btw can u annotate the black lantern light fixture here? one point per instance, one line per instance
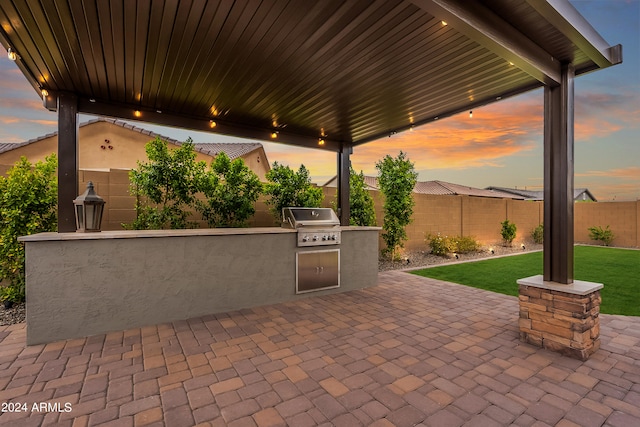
(89, 207)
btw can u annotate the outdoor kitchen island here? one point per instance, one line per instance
(81, 284)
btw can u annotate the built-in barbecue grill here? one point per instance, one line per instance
(315, 269)
(316, 226)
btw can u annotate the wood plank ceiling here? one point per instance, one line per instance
(353, 71)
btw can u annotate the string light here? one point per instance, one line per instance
(471, 114)
(44, 92)
(321, 141)
(274, 134)
(137, 113)
(11, 54)
(212, 124)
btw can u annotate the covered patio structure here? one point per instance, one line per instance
(330, 75)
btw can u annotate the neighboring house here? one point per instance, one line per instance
(113, 144)
(579, 194)
(437, 188)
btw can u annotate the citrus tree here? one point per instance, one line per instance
(287, 188)
(231, 190)
(165, 187)
(361, 207)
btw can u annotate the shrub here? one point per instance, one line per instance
(466, 244)
(397, 179)
(538, 234)
(287, 188)
(447, 245)
(231, 190)
(165, 186)
(28, 202)
(441, 246)
(508, 231)
(604, 235)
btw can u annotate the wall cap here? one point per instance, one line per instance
(578, 287)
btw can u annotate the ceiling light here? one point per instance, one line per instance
(137, 113)
(44, 92)
(321, 141)
(444, 23)
(11, 54)
(274, 134)
(212, 124)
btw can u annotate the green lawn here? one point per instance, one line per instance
(617, 269)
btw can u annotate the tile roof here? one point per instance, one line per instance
(539, 195)
(232, 149)
(438, 188)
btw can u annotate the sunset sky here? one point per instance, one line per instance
(500, 146)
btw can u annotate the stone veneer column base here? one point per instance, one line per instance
(561, 318)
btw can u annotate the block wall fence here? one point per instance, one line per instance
(478, 217)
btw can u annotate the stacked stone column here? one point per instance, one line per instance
(565, 322)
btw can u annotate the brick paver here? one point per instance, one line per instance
(411, 351)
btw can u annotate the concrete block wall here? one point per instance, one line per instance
(623, 218)
(445, 214)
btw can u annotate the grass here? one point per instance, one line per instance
(617, 269)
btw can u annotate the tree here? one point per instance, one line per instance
(231, 190)
(28, 205)
(165, 186)
(397, 177)
(361, 208)
(287, 188)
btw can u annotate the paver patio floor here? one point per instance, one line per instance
(411, 351)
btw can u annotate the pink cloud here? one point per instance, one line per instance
(632, 172)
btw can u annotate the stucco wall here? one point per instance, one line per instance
(80, 285)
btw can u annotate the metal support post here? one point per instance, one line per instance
(67, 161)
(344, 211)
(558, 179)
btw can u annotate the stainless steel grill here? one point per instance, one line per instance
(316, 226)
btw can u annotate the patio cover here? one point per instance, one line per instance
(328, 74)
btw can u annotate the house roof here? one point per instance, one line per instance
(539, 194)
(350, 71)
(437, 188)
(232, 149)
(441, 187)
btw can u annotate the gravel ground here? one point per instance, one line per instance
(417, 259)
(10, 316)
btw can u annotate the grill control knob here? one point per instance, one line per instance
(325, 238)
(315, 238)
(333, 237)
(305, 239)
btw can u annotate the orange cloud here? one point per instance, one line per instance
(495, 132)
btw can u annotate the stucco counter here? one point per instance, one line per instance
(81, 284)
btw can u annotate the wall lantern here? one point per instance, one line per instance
(89, 207)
